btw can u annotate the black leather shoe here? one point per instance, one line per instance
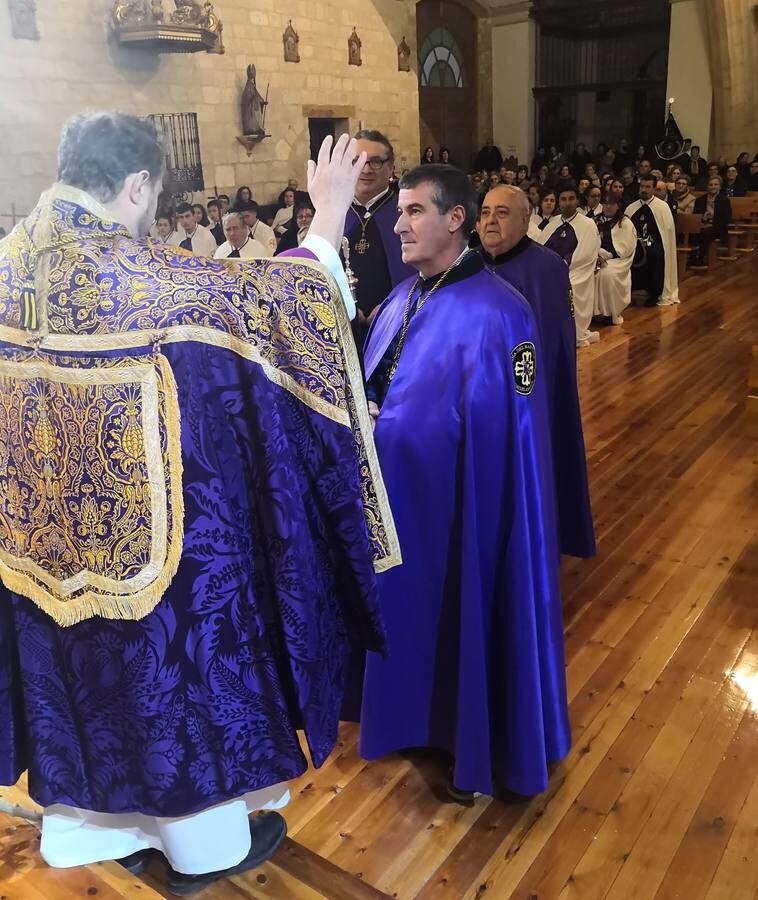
(267, 831)
(136, 862)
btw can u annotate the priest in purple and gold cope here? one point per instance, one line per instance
(457, 383)
(541, 277)
(192, 516)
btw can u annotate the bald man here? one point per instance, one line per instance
(542, 277)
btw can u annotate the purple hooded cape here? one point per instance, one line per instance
(473, 616)
(190, 517)
(541, 276)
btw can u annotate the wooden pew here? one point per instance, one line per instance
(744, 222)
(687, 224)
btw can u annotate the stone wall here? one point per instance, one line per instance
(734, 70)
(76, 65)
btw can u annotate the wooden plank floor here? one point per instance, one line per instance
(659, 796)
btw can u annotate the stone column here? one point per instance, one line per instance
(733, 30)
(513, 72)
(689, 71)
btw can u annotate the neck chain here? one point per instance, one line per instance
(421, 301)
(363, 245)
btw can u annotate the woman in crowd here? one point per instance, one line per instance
(427, 156)
(672, 173)
(618, 241)
(533, 193)
(165, 227)
(522, 174)
(201, 216)
(593, 201)
(303, 214)
(444, 157)
(243, 195)
(547, 209)
(284, 215)
(616, 189)
(583, 185)
(685, 199)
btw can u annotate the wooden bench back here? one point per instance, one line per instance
(688, 223)
(744, 208)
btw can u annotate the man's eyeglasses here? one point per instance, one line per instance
(375, 163)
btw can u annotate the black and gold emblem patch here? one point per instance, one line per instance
(571, 301)
(524, 367)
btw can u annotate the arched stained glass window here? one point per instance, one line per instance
(440, 61)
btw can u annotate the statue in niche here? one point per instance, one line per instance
(23, 19)
(291, 41)
(403, 56)
(134, 12)
(253, 106)
(157, 7)
(187, 12)
(354, 45)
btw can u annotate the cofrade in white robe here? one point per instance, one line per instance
(264, 234)
(613, 282)
(202, 240)
(251, 249)
(577, 242)
(664, 219)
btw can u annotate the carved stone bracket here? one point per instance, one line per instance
(190, 27)
(251, 141)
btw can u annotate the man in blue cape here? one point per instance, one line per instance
(541, 277)
(457, 385)
(191, 516)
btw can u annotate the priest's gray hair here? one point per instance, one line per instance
(451, 188)
(233, 215)
(97, 151)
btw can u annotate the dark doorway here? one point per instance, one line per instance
(318, 129)
(448, 75)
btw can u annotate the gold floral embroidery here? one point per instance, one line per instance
(71, 280)
(90, 471)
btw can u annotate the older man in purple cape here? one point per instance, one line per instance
(542, 278)
(457, 387)
(191, 515)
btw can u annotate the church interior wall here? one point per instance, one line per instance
(733, 45)
(76, 65)
(689, 72)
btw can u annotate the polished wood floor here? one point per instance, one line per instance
(659, 796)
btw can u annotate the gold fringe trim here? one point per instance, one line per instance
(393, 556)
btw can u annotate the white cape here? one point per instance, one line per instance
(664, 219)
(582, 268)
(613, 283)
